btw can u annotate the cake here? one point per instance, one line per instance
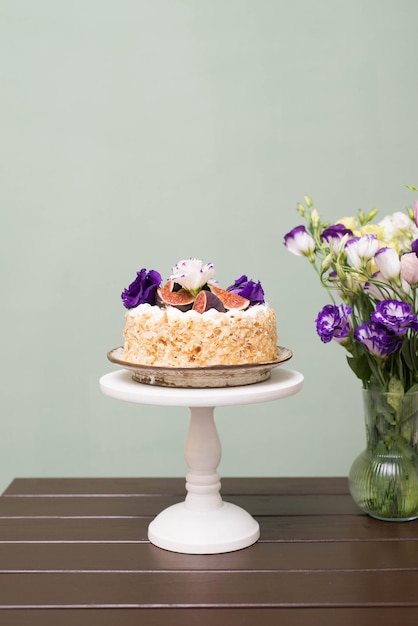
(192, 322)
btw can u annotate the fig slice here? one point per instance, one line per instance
(169, 286)
(230, 300)
(181, 299)
(206, 300)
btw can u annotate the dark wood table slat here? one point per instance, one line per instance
(376, 616)
(143, 557)
(222, 589)
(101, 505)
(273, 529)
(75, 551)
(175, 486)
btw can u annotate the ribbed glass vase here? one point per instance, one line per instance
(384, 478)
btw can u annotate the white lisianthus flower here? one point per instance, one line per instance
(398, 231)
(351, 251)
(388, 263)
(361, 249)
(191, 274)
(300, 242)
(367, 247)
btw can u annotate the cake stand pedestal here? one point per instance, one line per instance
(203, 523)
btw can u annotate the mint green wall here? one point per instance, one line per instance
(139, 132)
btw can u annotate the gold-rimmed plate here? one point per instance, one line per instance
(199, 377)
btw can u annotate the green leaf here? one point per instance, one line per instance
(404, 446)
(395, 386)
(360, 366)
(406, 355)
(412, 389)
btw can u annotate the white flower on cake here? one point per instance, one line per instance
(192, 275)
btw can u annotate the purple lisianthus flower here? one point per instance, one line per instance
(377, 339)
(142, 290)
(414, 246)
(395, 315)
(333, 235)
(300, 242)
(333, 322)
(248, 289)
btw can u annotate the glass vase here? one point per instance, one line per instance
(384, 478)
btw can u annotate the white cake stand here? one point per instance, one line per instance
(203, 523)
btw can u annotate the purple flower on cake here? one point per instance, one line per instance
(300, 242)
(333, 322)
(192, 275)
(395, 315)
(248, 289)
(377, 339)
(142, 290)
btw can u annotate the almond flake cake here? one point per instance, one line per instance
(192, 322)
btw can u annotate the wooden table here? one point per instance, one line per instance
(75, 552)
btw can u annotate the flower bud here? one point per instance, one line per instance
(372, 215)
(308, 200)
(315, 219)
(301, 209)
(340, 273)
(327, 262)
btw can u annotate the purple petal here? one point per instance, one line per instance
(333, 322)
(377, 339)
(395, 315)
(248, 289)
(142, 290)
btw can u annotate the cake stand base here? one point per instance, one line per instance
(203, 523)
(226, 529)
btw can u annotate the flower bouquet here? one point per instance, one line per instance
(370, 270)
